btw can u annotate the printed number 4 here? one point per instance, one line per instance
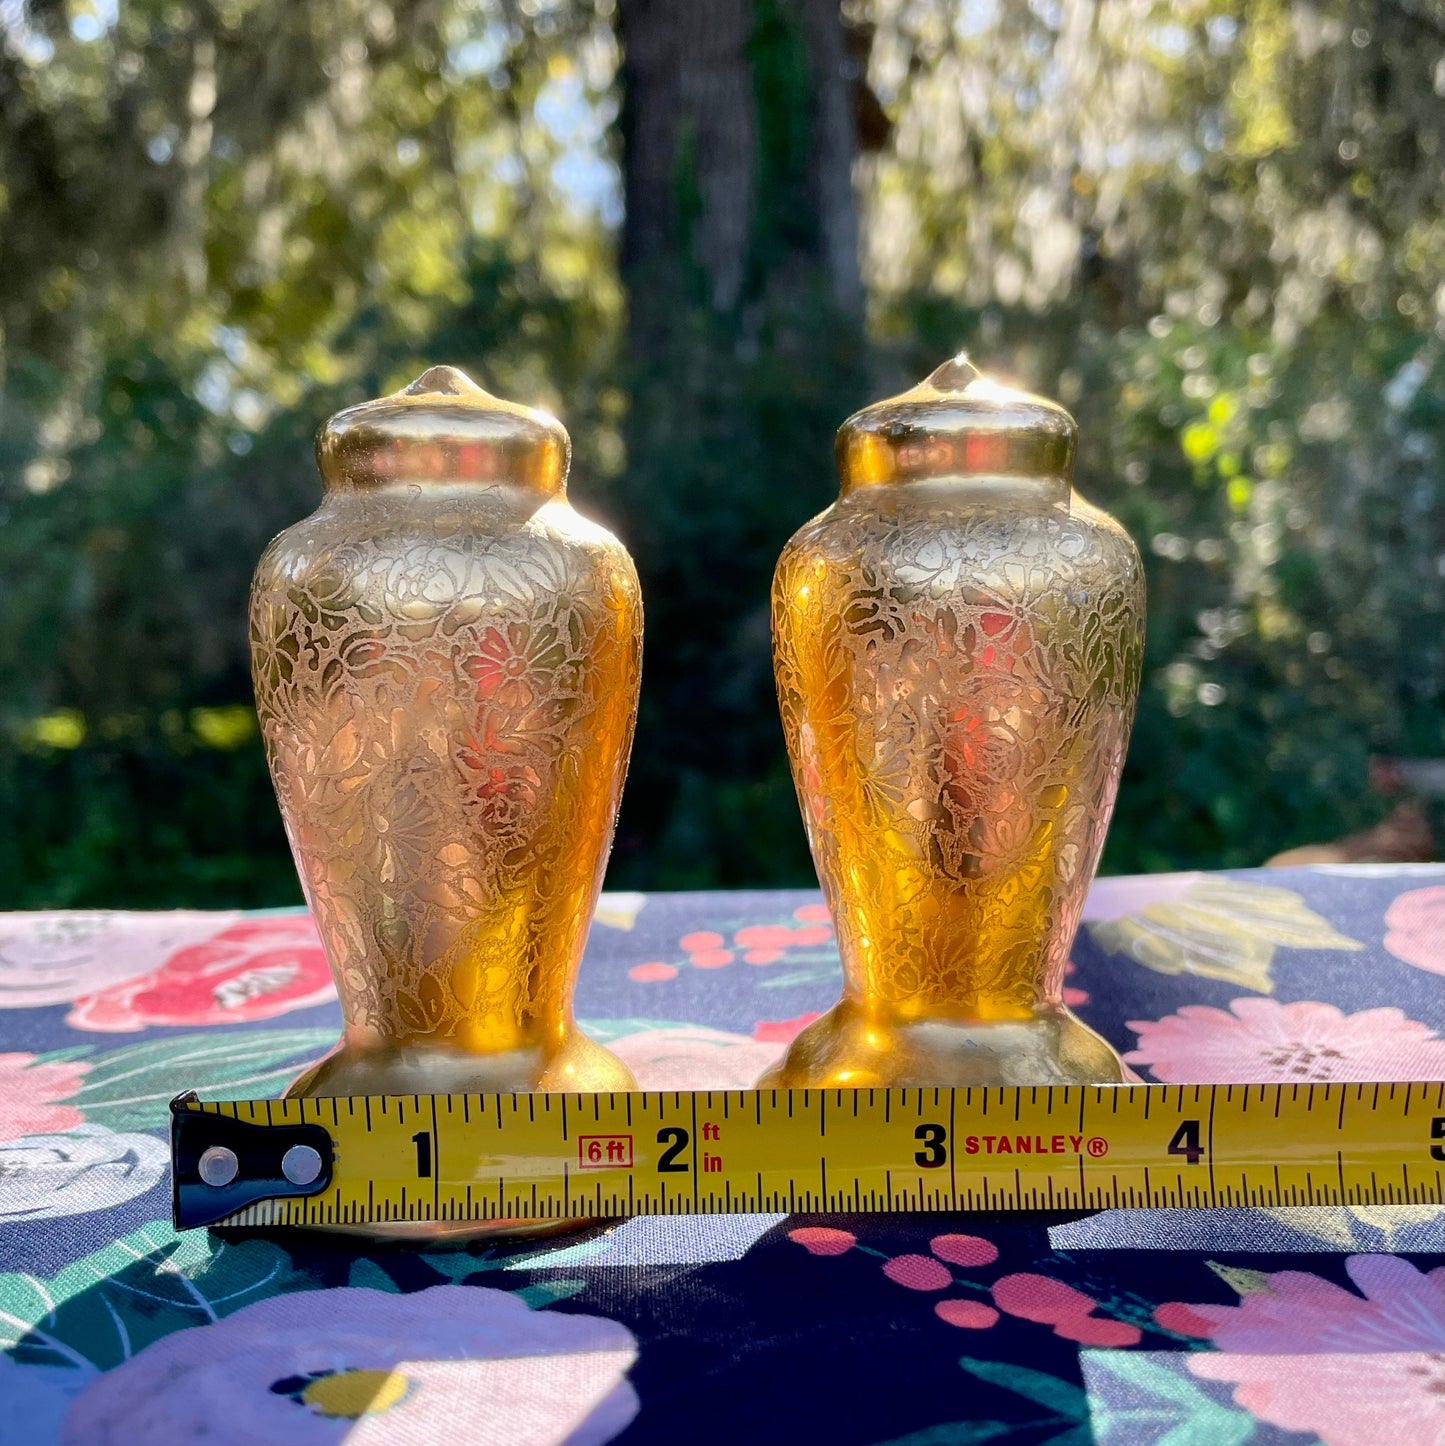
(1186, 1142)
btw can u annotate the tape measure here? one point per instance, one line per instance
(375, 1160)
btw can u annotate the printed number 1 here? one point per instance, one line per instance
(422, 1141)
(1186, 1142)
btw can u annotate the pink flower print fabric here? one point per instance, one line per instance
(254, 969)
(1415, 928)
(1253, 1327)
(1260, 1041)
(1308, 1355)
(31, 1093)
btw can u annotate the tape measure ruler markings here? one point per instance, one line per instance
(370, 1160)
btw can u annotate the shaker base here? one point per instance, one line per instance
(849, 1049)
(395, 1069)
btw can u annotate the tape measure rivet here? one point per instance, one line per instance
(301, 1164)
(218, 1166)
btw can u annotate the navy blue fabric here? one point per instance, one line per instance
(799, 1329)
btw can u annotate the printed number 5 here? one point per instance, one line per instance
(935, 1149)
(1437, 1132)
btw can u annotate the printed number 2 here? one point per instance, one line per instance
(676, 1141)
(422, 1141)
(1186, 1142)
(935, 1150)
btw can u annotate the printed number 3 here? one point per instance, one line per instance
(935, 1149)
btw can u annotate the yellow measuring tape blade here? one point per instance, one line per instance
(560, 1156)
(482, 1157)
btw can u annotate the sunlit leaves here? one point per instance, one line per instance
(1258, 94)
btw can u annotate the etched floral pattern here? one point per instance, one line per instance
(446, 684)
(957, 681)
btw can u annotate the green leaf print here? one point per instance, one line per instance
(102, 1309)
(131, 1088)
(1067, 1399)
(1159, 1395)
(953, 1433)
(544, 1292)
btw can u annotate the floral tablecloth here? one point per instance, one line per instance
(1190, 1328)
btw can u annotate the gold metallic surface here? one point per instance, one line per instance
(446, 660)
(957, 642)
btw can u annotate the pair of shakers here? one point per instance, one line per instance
(447, 659)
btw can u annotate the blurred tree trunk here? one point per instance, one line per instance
(740, 258)
(690, 109)
(695, 158)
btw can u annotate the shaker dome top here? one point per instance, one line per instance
(956, 423)
(443, 429)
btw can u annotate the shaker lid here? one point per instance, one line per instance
(956, 423)
(443, 429)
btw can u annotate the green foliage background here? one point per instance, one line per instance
(1215, 230)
